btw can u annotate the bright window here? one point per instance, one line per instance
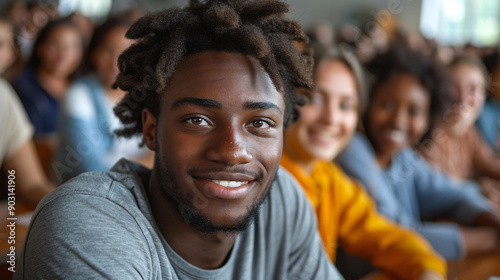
(89, 8)
(457, 22)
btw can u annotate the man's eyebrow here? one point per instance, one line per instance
(203, 102)
(262, 105)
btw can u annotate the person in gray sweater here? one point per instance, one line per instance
(210, 87)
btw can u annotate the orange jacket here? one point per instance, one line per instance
(346, 216)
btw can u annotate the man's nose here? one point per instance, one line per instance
(229, 147)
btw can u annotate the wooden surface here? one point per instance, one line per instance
(479, 267)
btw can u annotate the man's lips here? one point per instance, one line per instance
(225, 174)
(230, 184)
(224, 185)
(213, 189)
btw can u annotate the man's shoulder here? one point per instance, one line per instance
(286, 201)
(286, 186)
(97, 218)
(114, 199)
(123, 184)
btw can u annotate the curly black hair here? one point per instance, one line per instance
(164, 39)
(400, 59)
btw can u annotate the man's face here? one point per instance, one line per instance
(218, 140)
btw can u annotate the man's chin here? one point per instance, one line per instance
(204, 224)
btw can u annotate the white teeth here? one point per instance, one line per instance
(230, 184)
(397, 136)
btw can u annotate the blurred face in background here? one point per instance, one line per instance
(8, 52)
(328, 122)
(398, 114)
(105, 57)
(61, 52)
(470, 86)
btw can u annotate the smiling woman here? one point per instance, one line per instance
(398, 115)
(87, 118)
(408, 100)
(57, 55)
(344, 211)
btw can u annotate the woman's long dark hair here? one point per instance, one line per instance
(34, 62)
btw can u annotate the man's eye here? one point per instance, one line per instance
(197, 121)
(260, 124)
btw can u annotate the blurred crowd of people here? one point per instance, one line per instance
(425, 147)
(58, 74)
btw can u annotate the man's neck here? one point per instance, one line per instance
(206, 251)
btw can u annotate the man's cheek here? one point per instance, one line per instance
(272, 156)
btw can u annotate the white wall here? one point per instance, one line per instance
(310, 12)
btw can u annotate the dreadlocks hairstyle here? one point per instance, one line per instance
(400, 59)
(164, 39)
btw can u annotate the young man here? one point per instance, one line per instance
(215, 205)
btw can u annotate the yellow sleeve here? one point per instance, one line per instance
(363, 232)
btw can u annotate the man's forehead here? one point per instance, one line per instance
(223, 73)
(208, 61)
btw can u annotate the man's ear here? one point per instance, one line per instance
(149, 129)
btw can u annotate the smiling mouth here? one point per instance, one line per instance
(224, 189)
(396, 136)
(225, 183)
(229, 184)
(323, 138)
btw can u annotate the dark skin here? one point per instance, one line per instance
(218, 139)
(398, 117)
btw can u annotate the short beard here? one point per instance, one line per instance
(192, 216)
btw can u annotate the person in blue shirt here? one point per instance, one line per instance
(407, 100)
(87, 118)
(57, 55)
(18, 156)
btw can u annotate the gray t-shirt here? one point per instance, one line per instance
(100, 226)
